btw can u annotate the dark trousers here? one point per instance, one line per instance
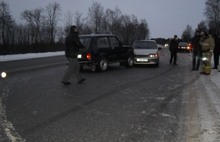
(216, 59)
(197, 56)
(173, 57)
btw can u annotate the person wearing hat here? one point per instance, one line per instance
(173, 50)
(197, 51)
(208, 44)
(72, 44)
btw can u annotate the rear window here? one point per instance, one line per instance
(144, 45)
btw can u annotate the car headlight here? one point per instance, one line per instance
(204, 58)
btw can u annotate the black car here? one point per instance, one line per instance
(184, 46)
(103, 49)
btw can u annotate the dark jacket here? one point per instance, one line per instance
(73, 45)
(173, 45)
(217, 45)
(196, 43)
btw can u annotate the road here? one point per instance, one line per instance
(141, 104)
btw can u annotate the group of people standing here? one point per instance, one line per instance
(204, 46)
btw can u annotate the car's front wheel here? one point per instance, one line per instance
(102, 64)
(130, 62)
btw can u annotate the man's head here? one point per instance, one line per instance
(204, 33)
(73, 29)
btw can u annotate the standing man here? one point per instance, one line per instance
(216, 52)
(208, 44)
(173, 50)
(197, 51)
(73, 45)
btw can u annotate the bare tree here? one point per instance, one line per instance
(212, 12)
(113, 20)
(53, 12)
(96, 13)
(34, 19)
(6, 24)
(68, 19)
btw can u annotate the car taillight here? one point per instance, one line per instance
(88, 56)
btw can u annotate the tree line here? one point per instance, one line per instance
(41, 31)
(210, 25)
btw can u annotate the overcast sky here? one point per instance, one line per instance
(164, 17)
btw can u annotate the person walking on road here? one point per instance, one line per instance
(208, 44)
(197, 52)
(173, 50)
(216, 52)
(72, 44)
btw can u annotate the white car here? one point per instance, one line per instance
(146, 52)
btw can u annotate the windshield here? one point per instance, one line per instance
(144, 45)
(183, 44)
(85, 41)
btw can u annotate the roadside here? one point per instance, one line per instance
(201, 114)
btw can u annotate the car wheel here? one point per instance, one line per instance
(130, 62)
(102, 64)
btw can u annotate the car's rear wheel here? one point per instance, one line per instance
(102, 64)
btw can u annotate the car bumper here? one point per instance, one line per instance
(146, 61)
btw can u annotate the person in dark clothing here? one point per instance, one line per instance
(216, 52)
(72, 44)
(173, 50)
(197, 51)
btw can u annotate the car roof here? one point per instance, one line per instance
(96, 35)
(146, 40)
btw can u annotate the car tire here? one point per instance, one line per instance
(102, 64)
(130, 62)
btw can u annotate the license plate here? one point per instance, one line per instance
(79, 56)
(142, 60)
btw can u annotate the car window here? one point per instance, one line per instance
(102, 42)
(85, 41)
(114, 42)
(183, 44)
(144, 45)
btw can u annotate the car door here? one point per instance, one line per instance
(117, 46)
(103, 45)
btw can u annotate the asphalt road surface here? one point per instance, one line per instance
(139, 104)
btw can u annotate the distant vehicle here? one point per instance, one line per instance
(102, 50)
(184, 46)
(146, 52)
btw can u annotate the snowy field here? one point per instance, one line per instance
(29, 55)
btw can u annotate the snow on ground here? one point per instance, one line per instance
(4, 58)
(214, 77)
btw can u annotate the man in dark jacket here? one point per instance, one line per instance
(73, 45)
(197, 51)
(216, 51)
(173, 50)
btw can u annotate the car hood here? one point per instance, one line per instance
(144, 51)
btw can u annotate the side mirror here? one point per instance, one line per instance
(159, 48)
